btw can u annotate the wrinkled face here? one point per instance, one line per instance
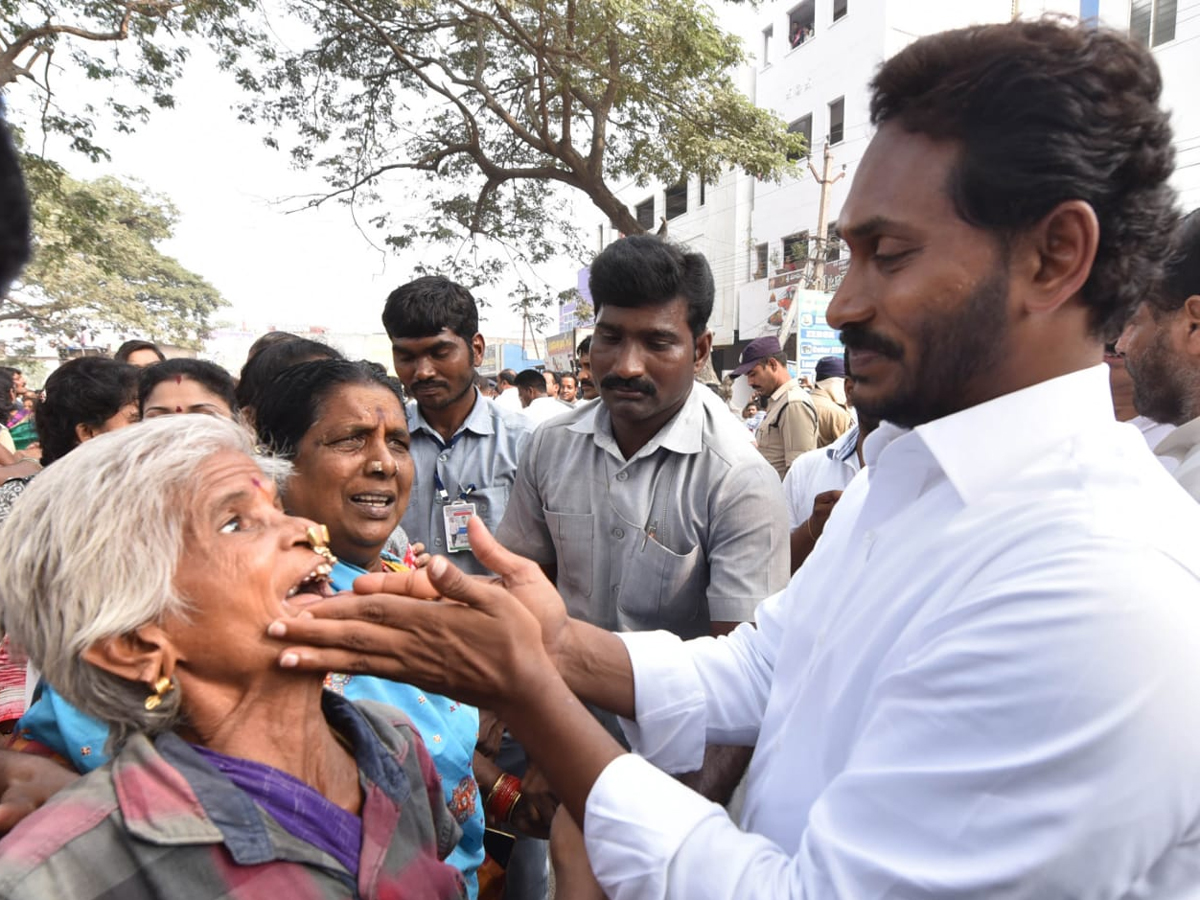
(587, 385)
(645, 360)
(437, 371)
(568, 390)
(353, 471)
(1154, 358)
(924, 304)
(242, 557)
(142, 358)
(183, 395)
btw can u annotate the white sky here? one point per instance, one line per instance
(311, 267)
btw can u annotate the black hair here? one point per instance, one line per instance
(266, 340)
(260, 369)
(422, 308)
(555, 375)
(15, 216)
(88, 390)
(293, 403)
(1182, 276)
(210, 376)
(129, 348)
(532, 379)
(1044, 113)
(585, 346)
(846, 362)
(644, 270)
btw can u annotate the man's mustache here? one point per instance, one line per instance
(859, 337)
(641, 385)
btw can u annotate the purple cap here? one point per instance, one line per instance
(756, 351)
(830, 367)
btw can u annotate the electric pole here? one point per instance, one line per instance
(818, 276)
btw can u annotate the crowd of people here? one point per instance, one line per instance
(930, 629)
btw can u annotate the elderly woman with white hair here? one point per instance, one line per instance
(141, 574)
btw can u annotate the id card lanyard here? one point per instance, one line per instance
(456, 514)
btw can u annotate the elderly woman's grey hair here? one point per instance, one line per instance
(90, 554)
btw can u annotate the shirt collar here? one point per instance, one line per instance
(983, 445)
(683, 432)
(478, 420)
(843, 448)
(1180, 442)
(781, 390)
(170, 794)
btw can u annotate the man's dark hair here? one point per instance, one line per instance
(422, 308)
(1181, 279)
(293, 403)
(555, 375)
(14, 212)
(260, 370)
(507, 376)
(88, 390)
(644, 270)
(129, 348)
(209, 375)
(532, 379)
(585, 346)
(269, 338)
(1045, 113)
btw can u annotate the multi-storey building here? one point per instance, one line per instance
(812, 62)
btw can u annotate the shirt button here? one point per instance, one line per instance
(622, 476)
(443, 457)
(618, 533)
(481, 507)
(437, 542)
(869, 537)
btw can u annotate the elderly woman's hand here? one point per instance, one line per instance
(485, 647)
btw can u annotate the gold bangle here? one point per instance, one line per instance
(808, 525)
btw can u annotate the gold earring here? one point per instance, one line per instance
(162, 687)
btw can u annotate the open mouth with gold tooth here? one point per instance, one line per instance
(315, 582)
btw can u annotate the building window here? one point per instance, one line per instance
(677, 199)
(759, 261)
(1089, 12)
(768, 35)
(837, 120)
(802, 126)
(644, 213)
(839, 9)
(801, 20)
(1152, 22)
(795, 251)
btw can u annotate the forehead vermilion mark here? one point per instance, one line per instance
(179, 409)
(179, 379)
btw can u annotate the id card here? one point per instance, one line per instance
(457, 515)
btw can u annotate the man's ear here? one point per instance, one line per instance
(146, 654)
(703, 348)
(1190, 314)
(1055, 257)
(477, 348)
(83, 432)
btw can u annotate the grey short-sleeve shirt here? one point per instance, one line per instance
(480, 460)
(692, 529)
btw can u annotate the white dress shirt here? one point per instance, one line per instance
(984, 682)
(542, 409)
(824, 469)
(509, 398)
(1180, 449)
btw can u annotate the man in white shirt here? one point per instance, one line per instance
(1161, 345)
(506, 391)
(536, 405)
(983, 682)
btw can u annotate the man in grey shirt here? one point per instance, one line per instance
(651, 506)
(464, 447)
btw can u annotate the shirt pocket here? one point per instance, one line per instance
(662, 589)
(490, 503)
(574, 540)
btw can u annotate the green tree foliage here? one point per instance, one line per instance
(96, 264)
(139, 43)
(502, 105)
